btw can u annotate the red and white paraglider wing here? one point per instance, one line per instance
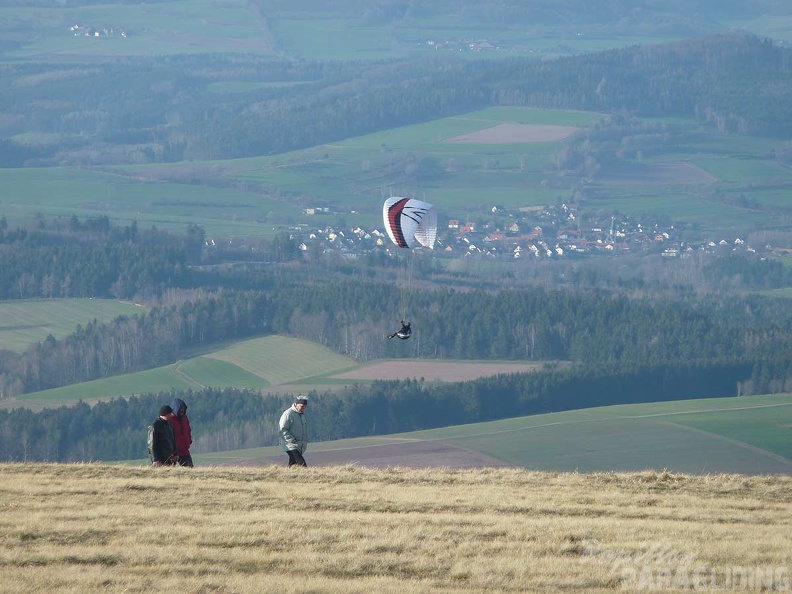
(426, 233)
(392, 218)
(408, 220)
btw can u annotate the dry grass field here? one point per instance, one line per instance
(347, 529)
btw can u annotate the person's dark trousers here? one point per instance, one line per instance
(296, 458)
(186, 461)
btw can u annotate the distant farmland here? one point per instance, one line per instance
(516, 133)
(26, 322)
(276, 364)
(505, 154)
(442, 371)
(748, 435)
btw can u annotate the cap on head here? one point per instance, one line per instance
(301, 400)
(165, 410)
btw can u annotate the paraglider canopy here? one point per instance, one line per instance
(409, 221)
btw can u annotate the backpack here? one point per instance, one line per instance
(150, 442)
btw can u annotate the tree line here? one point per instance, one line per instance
(94, 258)
(227, 419)
(353, 317)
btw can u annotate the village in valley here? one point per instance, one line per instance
(84, 30)
(550, 232)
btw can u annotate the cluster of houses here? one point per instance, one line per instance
(463, 45)
(91, 31)
(552, 232)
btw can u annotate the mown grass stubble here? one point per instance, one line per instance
(90, 528)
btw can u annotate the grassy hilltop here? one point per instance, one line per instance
(90, 528)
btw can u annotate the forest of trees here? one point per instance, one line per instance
(93, 258)
(198, 305)
(146, 110)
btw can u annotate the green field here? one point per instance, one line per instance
(279, 31)
(157, 28)
(142, 382)
(277, 362)
(727, 435)
(679, 206)
(518, 174)
(282, 360)
(739, 168)
(747, 435)
(26, 322)
(63, 192)
(683, 435)
(257, 363)
(785, 293)
(192, 374)
(736, 169)
(207, 372)
(260, 195)
(346, 173)
(349, 172)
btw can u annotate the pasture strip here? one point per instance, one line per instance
(603, 419)
(740, 444)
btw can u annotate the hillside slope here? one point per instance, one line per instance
(743, 435)
(271, 363)
(90, 528)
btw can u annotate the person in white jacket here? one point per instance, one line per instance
(293, 431)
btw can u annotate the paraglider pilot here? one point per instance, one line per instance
(404, 333)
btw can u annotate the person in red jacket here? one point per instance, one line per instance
(182, 431)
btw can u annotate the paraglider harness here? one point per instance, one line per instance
(403, 333)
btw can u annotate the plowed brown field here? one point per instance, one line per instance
(516, 133)
(441, 371)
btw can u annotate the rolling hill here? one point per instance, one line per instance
(256, 363)
(270, 364)
(747, 435)
(27, 321)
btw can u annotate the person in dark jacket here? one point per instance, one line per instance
(162, 448)
(181, 431)
(404, 332)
